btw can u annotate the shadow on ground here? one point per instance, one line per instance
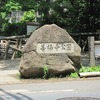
(79, 98)
(4, 95)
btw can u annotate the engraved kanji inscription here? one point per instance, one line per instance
(52, 48)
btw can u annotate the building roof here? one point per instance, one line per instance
(33, 23)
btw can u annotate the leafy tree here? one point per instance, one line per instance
(29, 16)
(7, 6)
(10, 28)
(44, 6)
(73, 15)
(27, 4)
(76, 15)
(91, 15)
(2, 14)
(11, 5)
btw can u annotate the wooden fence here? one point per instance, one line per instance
(94, 50)
(82, 39)
(11, 45)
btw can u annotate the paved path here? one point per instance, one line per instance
(9, 77)
(42, 89)
(51, 90)
(9, 71)
(9, 64)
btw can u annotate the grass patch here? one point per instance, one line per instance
(90, 69)
(85, 69)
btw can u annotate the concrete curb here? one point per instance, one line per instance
(90, 74)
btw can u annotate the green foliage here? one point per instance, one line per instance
(18, 76)
(72, 15)
(86, 69)
(18, 54)
(29, 16)
(74, 75)
(3, 15)
(45, 70)
(15, 29)
(90, 69)
(3, 21)
(27, 4)
(7, 28)
(6, 9)
(11, 5)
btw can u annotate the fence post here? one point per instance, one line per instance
(91, 50)
(6, 50)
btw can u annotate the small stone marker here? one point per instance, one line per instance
(91, 51)
(53, 47)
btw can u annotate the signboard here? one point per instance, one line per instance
(52, 48)
(97, 51)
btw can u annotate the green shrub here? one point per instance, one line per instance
(18, 54)
(45, 70)
(74, 75)
(29, 16)
(90, 69)
(15, 29)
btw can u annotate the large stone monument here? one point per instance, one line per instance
(53, 47)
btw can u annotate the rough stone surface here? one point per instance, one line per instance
(32, 63)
